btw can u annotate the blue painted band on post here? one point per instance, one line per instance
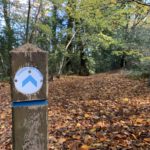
(30, 103)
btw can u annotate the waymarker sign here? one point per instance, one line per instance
(28, 80)
(29, 93)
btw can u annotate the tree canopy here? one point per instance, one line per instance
(82, 36)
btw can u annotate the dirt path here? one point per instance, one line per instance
(99, 112)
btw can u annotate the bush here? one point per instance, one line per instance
(141, 70)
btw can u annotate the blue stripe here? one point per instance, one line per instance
(30, 103)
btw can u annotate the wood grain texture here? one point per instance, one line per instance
(30, 128)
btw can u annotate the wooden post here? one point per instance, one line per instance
(29, 86)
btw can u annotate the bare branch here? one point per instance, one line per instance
(63, 58)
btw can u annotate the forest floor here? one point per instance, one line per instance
(107, 111)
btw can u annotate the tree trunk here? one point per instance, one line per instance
(54, 28)
(83, 62)
(35, 21)
(9, 31)
(10, 40)
(63, 61)
(71, 26)
(2, 65)
(28, 21)
(123, 61)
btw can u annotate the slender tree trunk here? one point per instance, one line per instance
(70, 47)
(54, 28)
(28, 21)
(9, 31)
(123, 61)
(71, 27)
(83, 66)
(2, 65)
(64, 60)
(9, 35)
(35, 21)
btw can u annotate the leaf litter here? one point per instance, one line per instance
(98, 112)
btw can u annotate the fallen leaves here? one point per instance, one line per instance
(87, 116)
(139, 121)
(84, 147)
(3, 115)
(103, 139)
(62, 140)
(147, 140)
(126, 100)
(101, 124)
(100, 112)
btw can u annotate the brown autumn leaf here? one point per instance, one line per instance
(147, 140)
(139, 120)
(87, 116)
(125, 100)
(101, 124)
(103, 139)
(134, 136)
(88, 139)
(2, 126)
(93, 130)
(61, 140)
(75, 145)
(77, 137)
(84, 147)
(3, 115)
(78, 125)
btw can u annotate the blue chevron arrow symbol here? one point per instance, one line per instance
(29, 79)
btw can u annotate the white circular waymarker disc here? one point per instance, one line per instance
(28, 80)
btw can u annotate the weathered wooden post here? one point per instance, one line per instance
(29, 88)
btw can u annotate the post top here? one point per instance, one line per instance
(27, 48)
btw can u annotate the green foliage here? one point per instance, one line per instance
(133, 53)
(87, 36)
(144, 66)
(141, 70)
(134, 74)
(44, 28)
(91, 65)
(4, 78)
